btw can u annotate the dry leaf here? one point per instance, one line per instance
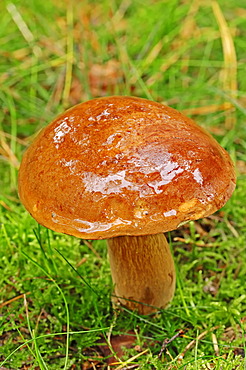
(118, 343)
(104, 78)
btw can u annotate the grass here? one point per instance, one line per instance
(55, 290)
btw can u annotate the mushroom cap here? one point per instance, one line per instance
(123, 166)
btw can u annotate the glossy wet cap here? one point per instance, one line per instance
(123, 166)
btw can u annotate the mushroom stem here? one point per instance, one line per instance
(143, 272)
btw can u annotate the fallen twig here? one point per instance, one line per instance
(13, 299)
(167, 341)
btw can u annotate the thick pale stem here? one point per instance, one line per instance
(143, 271)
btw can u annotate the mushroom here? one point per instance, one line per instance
(127, 170)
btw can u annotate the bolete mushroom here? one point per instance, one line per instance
(126, 169)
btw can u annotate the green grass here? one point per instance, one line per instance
(55, 291)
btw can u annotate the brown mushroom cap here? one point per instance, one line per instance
(123, 166)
